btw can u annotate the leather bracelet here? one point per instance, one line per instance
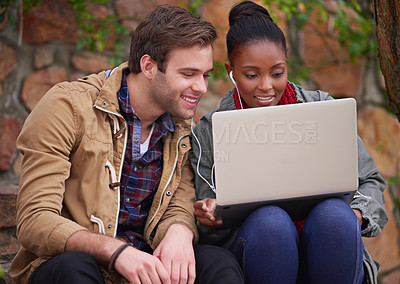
(115, 255)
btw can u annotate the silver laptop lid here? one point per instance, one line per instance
(285, 152)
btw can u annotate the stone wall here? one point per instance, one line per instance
(47, 54)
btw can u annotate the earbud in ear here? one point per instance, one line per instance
(231, 76)
(237, 89)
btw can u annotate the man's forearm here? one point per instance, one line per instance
(181, 228)
(101, 247)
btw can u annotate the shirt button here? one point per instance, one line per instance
(127, 199)
(109, 226)
(135, 169)
(136, 141)
(168, 193)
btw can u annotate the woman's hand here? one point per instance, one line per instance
(359, 216)
(204, 212)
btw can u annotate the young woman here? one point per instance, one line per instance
(324, 248)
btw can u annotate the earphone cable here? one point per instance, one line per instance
(198, 161)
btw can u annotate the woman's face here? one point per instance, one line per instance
(260, 72)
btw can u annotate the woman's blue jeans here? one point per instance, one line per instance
(328, 250)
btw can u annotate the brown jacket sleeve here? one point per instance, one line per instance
(45, 143)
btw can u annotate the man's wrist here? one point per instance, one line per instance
(115, 255)
(181, 228)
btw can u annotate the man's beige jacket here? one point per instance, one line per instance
(73, 144)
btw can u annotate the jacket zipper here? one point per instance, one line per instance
(168, 182)
(120, 168)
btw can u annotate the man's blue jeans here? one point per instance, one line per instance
(329, 249)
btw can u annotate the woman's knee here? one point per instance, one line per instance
(269, 221)
(331, 214)
(269, 214)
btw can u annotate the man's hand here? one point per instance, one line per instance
(135, 265)
(204, 212)
(140, 267)
(176, 254)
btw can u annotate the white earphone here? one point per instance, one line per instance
(233, 80)
(237, 89)
(212, 185)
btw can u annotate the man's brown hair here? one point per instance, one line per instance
(164, 29)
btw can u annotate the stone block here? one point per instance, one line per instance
(385, 247)
(43, 57)
(339, 80)
(75, 76)
(38, 83)
(55, 20)
(18, 164)
(88, 62)
(380, 132)
(329, 62)
(50, 21)
(8, 60)
(216, 12)
(135, 10)
(9, 130)
(8, 249)
(8, 213)
(8, 244)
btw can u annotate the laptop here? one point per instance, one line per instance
(292, 156)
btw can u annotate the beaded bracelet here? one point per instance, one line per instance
(115, 255)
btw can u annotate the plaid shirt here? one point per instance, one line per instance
(141, 174)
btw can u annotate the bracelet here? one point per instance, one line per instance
(115, 255)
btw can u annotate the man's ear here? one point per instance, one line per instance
(148, 66)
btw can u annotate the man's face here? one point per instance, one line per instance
(185, 80)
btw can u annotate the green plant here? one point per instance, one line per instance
(2, 273)
(353, 25)
(353, 32)
(93, 32)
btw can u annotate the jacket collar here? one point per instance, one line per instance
(107, 99)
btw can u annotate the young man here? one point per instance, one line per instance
(106, 178)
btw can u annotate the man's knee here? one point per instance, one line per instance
(69, 267)
(216, 265)
(75, 260)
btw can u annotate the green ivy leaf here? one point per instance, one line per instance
(302, 19)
